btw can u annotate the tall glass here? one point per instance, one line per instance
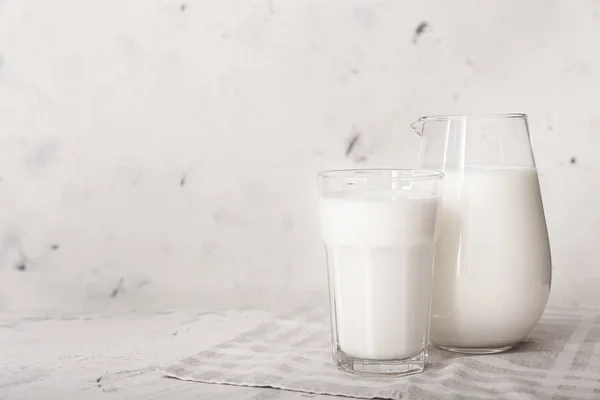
(492, 269)
(379, 229)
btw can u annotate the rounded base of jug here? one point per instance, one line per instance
(476, 350)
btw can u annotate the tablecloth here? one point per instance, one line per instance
(559, 360)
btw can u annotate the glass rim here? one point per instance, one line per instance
(476, 116)
(403, 174)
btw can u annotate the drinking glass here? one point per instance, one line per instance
(379, 229)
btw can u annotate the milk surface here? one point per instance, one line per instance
(492, 265)
(379, 250)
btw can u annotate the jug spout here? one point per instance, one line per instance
(418, 125)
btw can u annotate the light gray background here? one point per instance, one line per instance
(161, 154)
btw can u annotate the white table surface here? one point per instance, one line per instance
(114, 355)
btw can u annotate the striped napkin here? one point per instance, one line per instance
(559, 360)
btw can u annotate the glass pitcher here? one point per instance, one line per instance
(492, 268)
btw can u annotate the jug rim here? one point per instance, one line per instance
(475, 116)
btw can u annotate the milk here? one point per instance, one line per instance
(492, 265)
(379, 250)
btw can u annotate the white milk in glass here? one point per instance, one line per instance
(379, 248)
(491, 276)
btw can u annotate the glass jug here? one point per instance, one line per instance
(492, 269)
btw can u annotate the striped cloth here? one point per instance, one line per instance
(559, 360)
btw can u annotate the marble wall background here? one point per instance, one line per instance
(161, 153)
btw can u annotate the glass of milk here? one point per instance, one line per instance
(492, 270)
(379, 229)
